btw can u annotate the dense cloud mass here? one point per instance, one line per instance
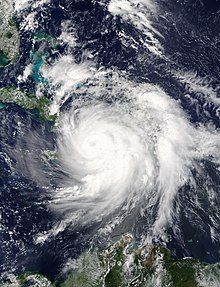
(123, 132)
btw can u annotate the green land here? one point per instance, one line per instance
(121, 265)
(24, 100)
(9, 35)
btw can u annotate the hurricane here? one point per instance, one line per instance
(127, 154)
(109, 143)
(102, 151)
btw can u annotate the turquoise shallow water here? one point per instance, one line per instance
(98, 43)
(4, 61)
(37, 75)
(2, 106)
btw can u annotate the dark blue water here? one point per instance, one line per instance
(190, 40)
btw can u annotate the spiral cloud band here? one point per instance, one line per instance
(123, 146)
(106, 155)
(118, 155)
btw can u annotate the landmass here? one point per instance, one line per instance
(122, 264)
(9, 35)
(27, 101)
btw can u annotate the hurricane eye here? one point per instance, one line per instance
(107, 153)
